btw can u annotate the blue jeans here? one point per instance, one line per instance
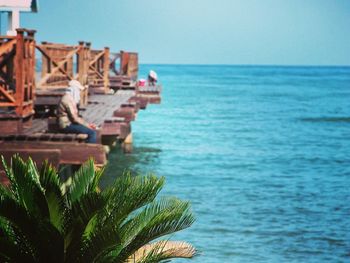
(78, 128)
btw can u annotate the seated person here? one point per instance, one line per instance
(152, 78)
(68, 118)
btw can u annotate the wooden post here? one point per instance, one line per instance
(81, 64)
(127, 144)
(106, 69)
(81, 69)
(124, 60)
(19, 66)
(87, 61)
(31, 72)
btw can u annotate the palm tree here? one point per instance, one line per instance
(40, 221)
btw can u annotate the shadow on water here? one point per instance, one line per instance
(119, 162)
(327, 119)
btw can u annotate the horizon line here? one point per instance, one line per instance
(246, 65)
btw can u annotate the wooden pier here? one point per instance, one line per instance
(28, 98)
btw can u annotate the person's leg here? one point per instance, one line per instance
(77, 128)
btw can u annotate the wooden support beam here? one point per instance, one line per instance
(6, 57)
(37, 155)
(7, 47)
(106, 69)
(96, 71)
(71, 153)
(125, 112)
(97, 57)
(19, 66)
(118, 129)
(6, 95)
(81, 65)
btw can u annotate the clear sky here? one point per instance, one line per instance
(298, 32)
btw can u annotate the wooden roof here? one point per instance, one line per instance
(21, 5)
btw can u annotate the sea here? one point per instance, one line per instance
(262, 153)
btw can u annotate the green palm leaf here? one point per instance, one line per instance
(83, 181)
(100, 243)
(128, 194)
(80, 223)
(9, 174)
(160, 218)
(54, 197)
(40, 223)
(26, 187)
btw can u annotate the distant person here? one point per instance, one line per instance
(68, 117)
(152, 78)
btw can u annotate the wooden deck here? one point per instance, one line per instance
(28, 100)
(112, 114)
(101, 107)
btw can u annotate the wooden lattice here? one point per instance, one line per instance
(62, 63)
(99, 65)
(17, 76)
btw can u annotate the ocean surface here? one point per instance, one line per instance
(263, 154)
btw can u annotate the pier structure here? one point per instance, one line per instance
(29, 98)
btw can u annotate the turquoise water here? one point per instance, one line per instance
(263, 153)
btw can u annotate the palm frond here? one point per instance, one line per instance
(39, 222)
(96, 246)
(4, 190)
(80, 222)
(9, 174)
(162, 217)
(100, 243)
(96, 179)
(26, 186)
(49, 180)
(162, 250)
(128, 194)
(82, 181)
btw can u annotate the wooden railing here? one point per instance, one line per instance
(95, 68)
(58, 64)
(62, 63)
(17, 75)
(98, 74)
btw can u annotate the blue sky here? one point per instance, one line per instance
(297, 32)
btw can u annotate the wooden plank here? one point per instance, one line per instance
(102, 107)
(141, 101)
(71, 152)
(11, 126)
(37, 155)
(119, 129)
(127, 113)
(39, 136)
